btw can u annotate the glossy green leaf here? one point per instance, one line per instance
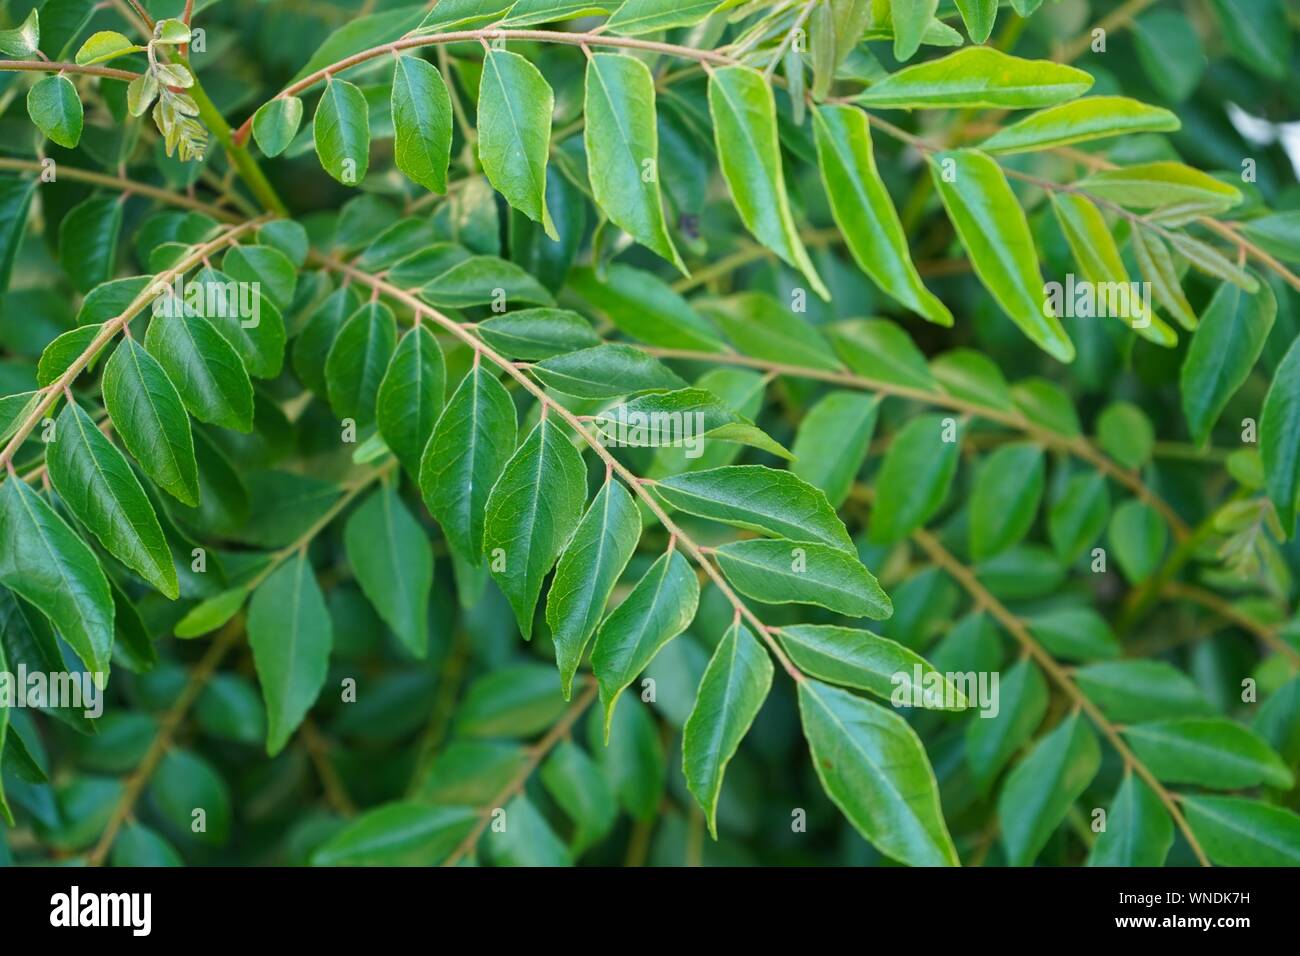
(914, 479)
(587, 572)
(276, 123)
(404, 833)
(1044, 785)
(832, 442)
(471, 442)
(993, 229)
(514, 129)
(1004, 501)
(1139, 830)
(97, 484)
(645, 307)
(1140, 690)
(357, 361)
(749, 152)
(992, 739)
(341, 132)
(410, 396)
(734, 686)
(978, 77)
(1094, 117)
(55, 108)
(290, 633)
(1279, 439)
(44, 562)
(623, 150)
(1238, 832)
(393, 562)
(803, 572)
(422, 120)
(206, 370)
(606, 371)
(873, 767)
(1208, 751)
(533, 509)
(149, 417)
(759, 325)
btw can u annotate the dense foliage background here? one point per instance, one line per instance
(335, 557)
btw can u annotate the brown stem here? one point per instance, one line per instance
(942, 557)
(536, 754)
(52, 66)
(1212, 602)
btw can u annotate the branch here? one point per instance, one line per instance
(1016, 628)
(1213, 602)
(536, 754)
(1078, 446)
(693, 550)
(52, 392)
(125, 185)
(50, 66)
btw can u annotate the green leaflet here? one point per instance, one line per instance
(1074, 633)
(1099, 260)
(206, 616)
(606, 371)
(1040, 790)
(648, 16)
(24, 39)
(803, 572)
(1150, 185)
(864, 211)
(43, 561)
(65, 350)
(978, 77)
(1126, 434)
(483, 280)
(527, 839)
(1157, 267)
(88, 241)
(533, 509)
(422, 122)
(1004, 501)
(398, 834)
(993, 229)
(1139, 830)
(206, 370)
(55, 108)
(15, 200)
(979, 17)
(874, 768)
(761, 499)
(312, 346)
(866, 661)
(410, 396)
(623, 150)
(6, 813)
(341, 132)
(914, 479)
(972, 376)
(664, 420)
(879, 349)
(645, 307)
(1279, 439)
(393, 561)
(137, 845)
(993, 740)
(533, 334)
(97, 484)
(761, 326)
(660, 607)
(357, 361)
(530, 12)
(590, 566)
(749, 152)
(575, 783)
(267, 266)
(1137, 690)
(514, 128)
(1238, 832)
(910, 18)
(276, 123)
(250, 323)
(1208, 751)
(290, 633)
(515, 701)
(732, 691)
(833, 440)
(184, 781)
(1137, 536)
(470, 444)
(1094, 117)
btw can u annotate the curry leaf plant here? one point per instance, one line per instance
(650, 432)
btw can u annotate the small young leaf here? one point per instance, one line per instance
(55, 108)
(276, 123)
